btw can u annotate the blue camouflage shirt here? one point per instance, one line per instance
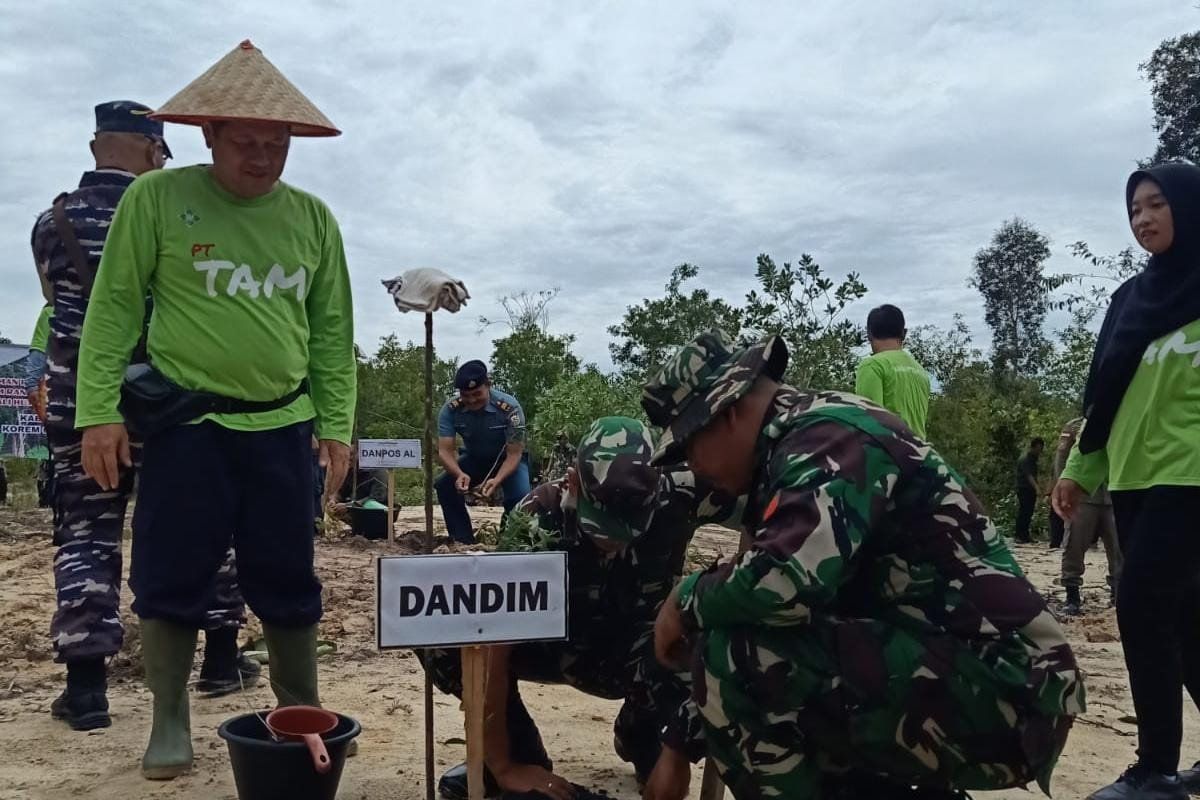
(90, 209)
(484, 432)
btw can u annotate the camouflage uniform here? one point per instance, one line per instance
(1094, 519)
(877, 625)
(614, 597)
(89, 520)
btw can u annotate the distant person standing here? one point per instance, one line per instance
(1093, 519)
(35, 363)
(890, 376)
(1058, 526)
(1027, 488)
(35, 390)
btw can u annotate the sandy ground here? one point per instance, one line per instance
(44, 759)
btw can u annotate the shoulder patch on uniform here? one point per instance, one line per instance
(503, 405)
(455, 403)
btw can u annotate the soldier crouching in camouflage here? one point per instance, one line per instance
(876, 637)
(86, 628)
(625, 527)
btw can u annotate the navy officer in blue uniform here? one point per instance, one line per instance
(492, 426)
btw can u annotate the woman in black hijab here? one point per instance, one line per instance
(1142, 437)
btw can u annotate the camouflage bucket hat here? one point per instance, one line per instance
(617, 485)
(705, 377)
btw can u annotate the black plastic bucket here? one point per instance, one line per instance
(264, 769)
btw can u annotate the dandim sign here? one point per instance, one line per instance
(472, 598)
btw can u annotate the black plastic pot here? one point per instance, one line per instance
(264, 769)
(370, 523)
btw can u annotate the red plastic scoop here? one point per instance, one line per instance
(306, 724)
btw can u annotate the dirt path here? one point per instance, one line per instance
(44, 759)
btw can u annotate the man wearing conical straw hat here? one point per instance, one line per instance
(251, 351)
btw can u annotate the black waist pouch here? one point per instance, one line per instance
(152, 403)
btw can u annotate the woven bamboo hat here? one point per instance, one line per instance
(244, 85)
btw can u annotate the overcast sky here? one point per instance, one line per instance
(593, 146)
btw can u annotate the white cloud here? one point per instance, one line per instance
(594, 147)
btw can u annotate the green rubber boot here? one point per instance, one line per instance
(292, 653)
(167, 651)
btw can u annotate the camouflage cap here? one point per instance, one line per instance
(707, 375)
(617, 485)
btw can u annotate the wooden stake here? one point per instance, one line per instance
(427, 450)
(711, 787)
(430, 445)
(474, 670)
(391, 524)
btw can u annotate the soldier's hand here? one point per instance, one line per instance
(334, 456)
(488, 488)
(670, 636)
(105, 451)
(1066, 497)
(670, 777)
(463, 483)
(523, 778)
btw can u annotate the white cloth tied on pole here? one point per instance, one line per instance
(427, 290)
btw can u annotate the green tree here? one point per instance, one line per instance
(1085, 294)
(805, 308)
(653, 330)
(1067, 370)
(945, 353)
(391, 401)
(530, 360)
(391, 390)
(572, 404)
(1009, 275)
(1174, 74)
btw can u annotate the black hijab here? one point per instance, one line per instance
(1162, 298)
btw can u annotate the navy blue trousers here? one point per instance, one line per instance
(203, 487)
(454, 506)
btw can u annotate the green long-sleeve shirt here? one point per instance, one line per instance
(1155, 437)
(41, 331)
(250, 298)
(896, 381)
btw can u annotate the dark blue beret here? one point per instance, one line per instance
(471, 375)
(126, 116)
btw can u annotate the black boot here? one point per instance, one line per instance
(225, 670)
(525, 744)
(1074, 604)
(84, 703)
(1143, 783)
(453, 784)
(1190, 778)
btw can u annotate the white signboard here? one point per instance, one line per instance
(470, 599)
(389, 453)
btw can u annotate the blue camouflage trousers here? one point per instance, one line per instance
(87, 567)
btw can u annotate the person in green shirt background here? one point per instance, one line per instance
(35, 364)
(890, 376)
(252, 306)
(1142, 436)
